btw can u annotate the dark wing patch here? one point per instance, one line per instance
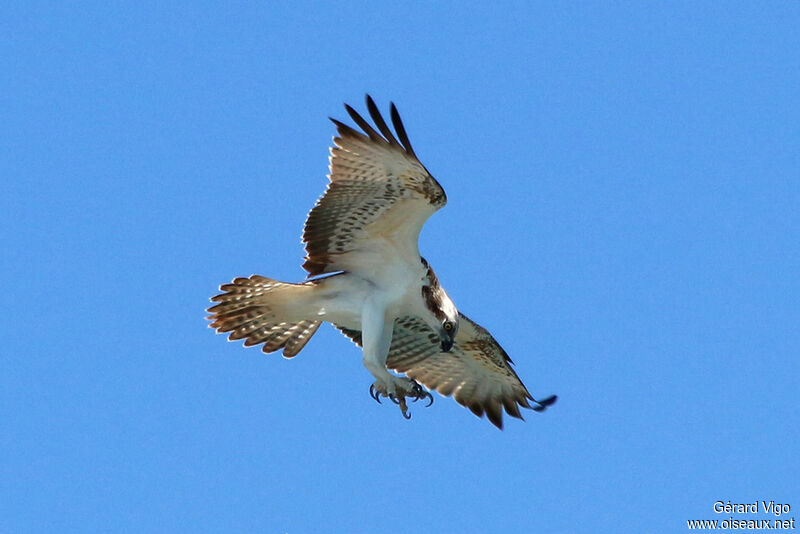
(379, 194)
(477, 371)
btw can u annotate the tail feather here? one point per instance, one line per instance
(262, 310)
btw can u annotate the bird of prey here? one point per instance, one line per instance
(367, 278)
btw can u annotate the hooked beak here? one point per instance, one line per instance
(447, 343)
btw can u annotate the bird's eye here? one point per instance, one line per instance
(448, 326)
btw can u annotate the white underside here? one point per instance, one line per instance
(370, 300)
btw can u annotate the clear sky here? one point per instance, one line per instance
(624, 217)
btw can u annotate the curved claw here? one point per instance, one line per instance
(422, 394)
(374, 394)
(404, 408)
(417, 392)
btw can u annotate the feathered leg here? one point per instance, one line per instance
(376, 338)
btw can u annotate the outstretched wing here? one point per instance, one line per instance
(378, 198)
(476, 372)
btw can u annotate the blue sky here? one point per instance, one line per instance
(624, 199)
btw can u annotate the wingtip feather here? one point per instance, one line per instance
(364, 125)
(544, 403)
(400, 129)
(377, 118)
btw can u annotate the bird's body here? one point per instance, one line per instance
(366, 276)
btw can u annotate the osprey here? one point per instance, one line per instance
(367, 278)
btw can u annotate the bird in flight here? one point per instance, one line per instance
(367, 278)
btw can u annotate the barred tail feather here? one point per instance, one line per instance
(262, 310)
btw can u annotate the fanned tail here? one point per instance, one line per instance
(262, 310)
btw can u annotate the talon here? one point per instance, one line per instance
(374, 394)
(404, 408)
(420, 393)
(400, 397)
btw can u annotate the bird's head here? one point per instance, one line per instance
(448, 328)
(443, 314)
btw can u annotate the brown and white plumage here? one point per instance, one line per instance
(256, 309)
(363, 234)
(477, 371)
(379, 196)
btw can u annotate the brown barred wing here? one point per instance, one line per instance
(477, 371)
(378, 198)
